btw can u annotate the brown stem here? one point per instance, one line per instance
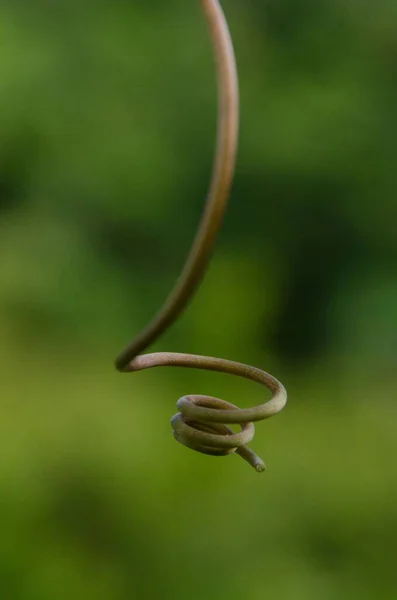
(204, 242)
(200, 423)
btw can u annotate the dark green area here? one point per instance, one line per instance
(107, 126)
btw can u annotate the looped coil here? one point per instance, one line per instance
(201, 422)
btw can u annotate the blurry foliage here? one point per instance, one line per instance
(107, 120)
(107, 123)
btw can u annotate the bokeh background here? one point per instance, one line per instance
(107, 126)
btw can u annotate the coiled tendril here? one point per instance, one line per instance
(201, 421)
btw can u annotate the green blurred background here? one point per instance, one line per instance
(107, 121)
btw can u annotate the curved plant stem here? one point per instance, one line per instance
(200, 424)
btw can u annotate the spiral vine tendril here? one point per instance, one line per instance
(201, 423)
